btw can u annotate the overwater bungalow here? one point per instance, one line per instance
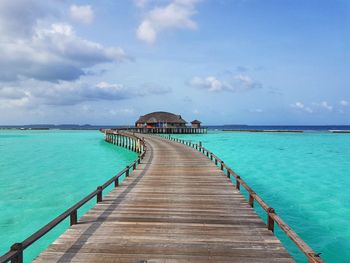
(196, 124)
(160, 119)
(166, 122)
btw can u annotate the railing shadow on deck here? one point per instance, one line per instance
(127, 140)
(272, 216)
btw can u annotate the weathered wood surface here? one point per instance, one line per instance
(176, 206)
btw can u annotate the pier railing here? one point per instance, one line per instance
(129, 141)
(272, 216)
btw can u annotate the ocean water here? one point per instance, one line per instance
(42, 173)
(304, 176)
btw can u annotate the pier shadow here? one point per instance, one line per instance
(79, 243)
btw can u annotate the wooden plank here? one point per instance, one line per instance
(177, 206)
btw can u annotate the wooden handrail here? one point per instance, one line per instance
(272, 217)
(15, 254)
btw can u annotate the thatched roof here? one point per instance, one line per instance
(196, 122)
(161, 116)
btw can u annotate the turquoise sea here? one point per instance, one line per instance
(304, 176)
(42, 173)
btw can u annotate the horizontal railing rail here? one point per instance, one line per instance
(130, 141)
(272, 216)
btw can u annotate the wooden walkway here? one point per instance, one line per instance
(177, 206)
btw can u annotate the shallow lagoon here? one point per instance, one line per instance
(42, 173)
(304, 176)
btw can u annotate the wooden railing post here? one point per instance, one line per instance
(270, 221)
(216, 161)
(74, 217)
(238, 184)
(127, 171)
(222, 165)
(99, 194)
(313, 258)
(134, 166)
(116, 182)
(228, 173)
(251, 200)
(19, 250)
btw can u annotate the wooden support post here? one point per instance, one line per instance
(116, 182)
(74, 218)
(127, 171)
(99, 194)
(251, 200)
(313, 258)
(19, 249)
(134, 166)
(238, 184)
(270, 221)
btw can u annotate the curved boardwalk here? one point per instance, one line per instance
(177, 206)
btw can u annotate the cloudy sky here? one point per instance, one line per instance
(220, 61)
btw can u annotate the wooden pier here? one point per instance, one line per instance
(166, 130)
(177, 204)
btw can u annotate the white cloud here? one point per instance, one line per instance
(53, 53)
(177, 14)
(300, 106)
(210, 83)
(325, 105)
(234, 84)
(32, 93)
(141, 3)
(344, 103)
(82, 13)
(19, 17)
(316, 107)
(34, 45)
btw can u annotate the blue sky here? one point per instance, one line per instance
(222, 61)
